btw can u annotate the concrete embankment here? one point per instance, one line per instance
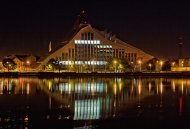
(95, 74)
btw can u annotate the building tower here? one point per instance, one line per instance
(180, 45)
(81, 20)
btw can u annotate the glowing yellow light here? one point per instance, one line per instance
(149, 87)
(28, 88)
(28, 62)
(120, 86)
(173, 86)
(115, 62)
(50, 85)
(173, 63)
(182, 84)
(161, 88)
(161, 62)
(139, 88)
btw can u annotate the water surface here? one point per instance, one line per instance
(27, 103)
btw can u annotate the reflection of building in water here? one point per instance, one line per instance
(90, 109)
(87, 97)
(93, 98)
(17, 86)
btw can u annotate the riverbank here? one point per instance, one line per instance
(94, 74)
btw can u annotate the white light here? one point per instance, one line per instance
(87, 41)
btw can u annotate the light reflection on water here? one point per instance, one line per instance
(27, 100)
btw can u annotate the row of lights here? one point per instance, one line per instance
(87, 41)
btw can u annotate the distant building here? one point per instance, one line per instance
(24, 62)
(181, 65)
(91, 48)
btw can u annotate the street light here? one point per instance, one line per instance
(173, 63)
(28, 63)
(161, 63)
(139, 62)
(115, 63)
(150, 65)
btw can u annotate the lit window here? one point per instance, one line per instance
(82, 41)
(85, 41)
(88, 41)
(75, 41)
(94, 41)
(98, 41)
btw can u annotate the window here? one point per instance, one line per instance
(85, 36)
(92, 36)
(89, 36)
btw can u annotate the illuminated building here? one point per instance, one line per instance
(89, 48)
(24, 62)
(181, 65)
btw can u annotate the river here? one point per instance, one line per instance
(30, 103)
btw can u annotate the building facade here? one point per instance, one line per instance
(23, 63)
(182, 64)
(90, 49)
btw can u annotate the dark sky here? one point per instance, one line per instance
(27, 26)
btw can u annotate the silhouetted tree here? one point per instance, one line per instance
(53, 65)
(9, 64)
(120, 64)
(151, 64)
(166, 66)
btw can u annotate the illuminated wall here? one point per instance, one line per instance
(91, 48)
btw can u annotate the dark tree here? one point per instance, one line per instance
(53, 64)
(119, 64)
(166, 66)
(151, 64)
(9, 64)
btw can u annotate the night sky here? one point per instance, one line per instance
(27, 27)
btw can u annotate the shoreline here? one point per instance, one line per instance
(95, 74)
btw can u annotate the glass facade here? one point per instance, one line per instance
(90, 52)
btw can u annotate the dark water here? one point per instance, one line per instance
(85, 103)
